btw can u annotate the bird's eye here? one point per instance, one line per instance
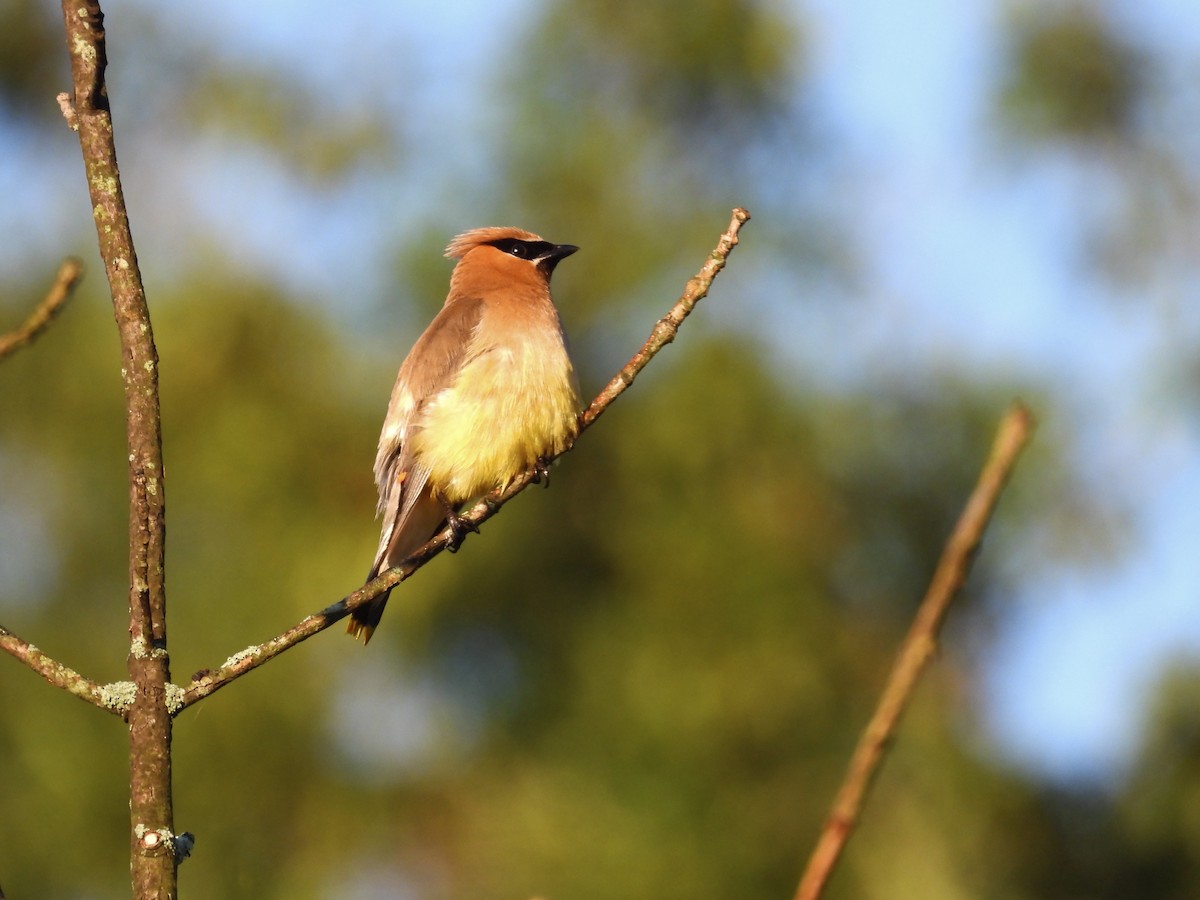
(513, 247)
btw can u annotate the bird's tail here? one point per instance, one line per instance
(364, 619)
(417, 523)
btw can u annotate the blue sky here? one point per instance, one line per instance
(985, 256)
(971, 260)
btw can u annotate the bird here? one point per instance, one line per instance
(487, 392)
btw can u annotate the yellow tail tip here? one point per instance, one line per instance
(360, 630)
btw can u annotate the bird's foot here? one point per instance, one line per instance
(459, 528)
(541, 472)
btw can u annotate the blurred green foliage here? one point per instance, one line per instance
(30, 38)
(644, 682)
(318, 141)
(1073, 76)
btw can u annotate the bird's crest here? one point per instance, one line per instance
(469, 240)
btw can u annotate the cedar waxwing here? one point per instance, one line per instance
(487, 392)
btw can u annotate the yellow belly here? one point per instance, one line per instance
(507, 408)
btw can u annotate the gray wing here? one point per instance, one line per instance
(431, 367)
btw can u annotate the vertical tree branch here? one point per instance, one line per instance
(152, 861)
(918, 648)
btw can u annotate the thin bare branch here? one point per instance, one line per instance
(210, 681)
(152, 861)
(916, 651)
(666, 328)
(56, 673)
(39, 320)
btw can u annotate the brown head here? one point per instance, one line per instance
(500, 256)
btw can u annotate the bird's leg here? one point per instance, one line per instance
(459, 526)
(541, 472)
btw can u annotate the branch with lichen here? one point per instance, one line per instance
(209, 681)
(918, 649)
(152, 862)
(57, 674)
(45, 312)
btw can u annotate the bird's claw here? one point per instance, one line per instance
(541, 472)
(459, 528)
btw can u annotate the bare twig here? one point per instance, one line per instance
(663, 333)
(666, 327)
(918, 648)
(39, 320)
(55, 672)
(152, 863)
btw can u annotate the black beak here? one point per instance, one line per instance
(554, 255)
